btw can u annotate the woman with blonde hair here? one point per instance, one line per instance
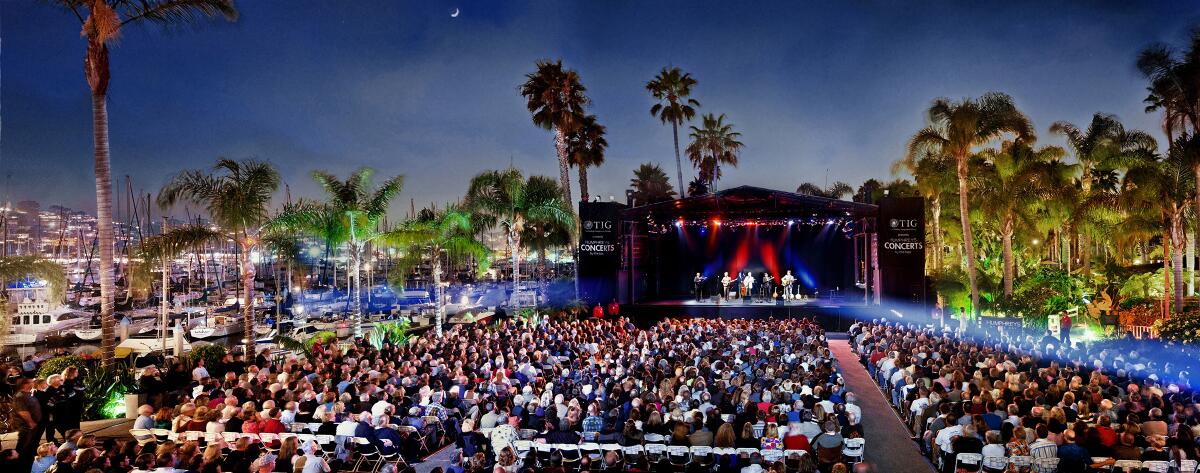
(288, 449)
(506, 461)
(771, 439)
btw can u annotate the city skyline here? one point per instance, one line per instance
(406, 89)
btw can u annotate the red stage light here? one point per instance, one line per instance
(716, 222)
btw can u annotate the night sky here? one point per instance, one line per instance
(402, 87)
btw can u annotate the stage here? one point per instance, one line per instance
(833, 315)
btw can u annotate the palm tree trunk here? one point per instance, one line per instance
(1177, 243)
(968, 242)
(514, 242)
(679, 162)
(564, 176)
(440, 314)
(1006, 233)
(248, 301)
(355, 280)
(936, 210)
(583, 187)
(104, 227)
(166, 289)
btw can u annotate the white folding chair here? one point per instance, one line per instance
(1020, 461)
(162, 435)
(1156, 466)
(854, 448)
(679, 455)
(746, 451)
(590, 449)
(772, 455)
(973, 461)
(1123, 465)
(655, 451)
(655, 438)
(789, 453)
(995, 464)
(1046, 465)
(758, 430)
(1187, 466)
(230, 437)
(522, 446)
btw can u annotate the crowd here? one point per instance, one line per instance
(762, 386)
(1089, 406)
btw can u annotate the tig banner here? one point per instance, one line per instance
(901, 229)
(599, 256)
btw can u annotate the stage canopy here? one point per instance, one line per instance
(748, 203)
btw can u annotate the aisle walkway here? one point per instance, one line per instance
(889, 444)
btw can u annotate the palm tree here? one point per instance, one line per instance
(957, 128)
(713, 144)
(350, 216)
(673, 89)
(838, 190)
(237, 196)
(585, 148)
(102, 21)
(506, 200)
(1008, 182)
(1174, 84)
(555, 97)
(698, 186)
(650, 185)
(1102, 148)
(931, 171)
(1168, 186)
(447, 231)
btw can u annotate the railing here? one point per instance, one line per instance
(1143, 331)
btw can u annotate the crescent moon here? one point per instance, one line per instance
(454, 14)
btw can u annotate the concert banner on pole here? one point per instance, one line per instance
(599, 253)
(901, 228)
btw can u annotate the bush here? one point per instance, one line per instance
(56, 365)
(211, 354)
(104, 391)
(1183, 328)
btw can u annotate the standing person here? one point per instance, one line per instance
(29, 414)
(962, 319)
(698, 286)
(598, 311)
(73, 392)
(614, 309)
(1064, 327)
(55, 408)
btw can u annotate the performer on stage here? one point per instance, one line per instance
(725, 285)
(748, 284)
(767, 286)
(788, 280)
(698, 282)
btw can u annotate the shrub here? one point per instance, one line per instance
(211, 354)
(1183, 328)
(104, 391)
(56, 365)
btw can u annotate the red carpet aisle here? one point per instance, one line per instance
(889, 444)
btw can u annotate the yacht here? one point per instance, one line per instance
(219, 325)
(135, 323)
(149, 342)
(37, 317)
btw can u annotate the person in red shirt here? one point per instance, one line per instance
(613, 309)
(598, 311)
(1065, 327)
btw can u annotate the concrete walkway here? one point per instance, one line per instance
(889, 446)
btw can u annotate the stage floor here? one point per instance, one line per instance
(833, 315)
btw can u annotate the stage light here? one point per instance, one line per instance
(679, 224)
(830, 221)
(716, 223)
(897, 313)
(791, 222)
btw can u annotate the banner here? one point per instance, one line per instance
(901, 233)
(599, 254)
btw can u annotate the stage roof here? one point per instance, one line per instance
(749, 202)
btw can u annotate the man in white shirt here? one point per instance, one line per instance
(945, 438)
(852, 407)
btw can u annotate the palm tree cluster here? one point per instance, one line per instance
(557, 101)
(1032, 206)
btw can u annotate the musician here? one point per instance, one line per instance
(788, 280)
(725, 281)
(766, 283)
(698, 282)
(748, 284)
